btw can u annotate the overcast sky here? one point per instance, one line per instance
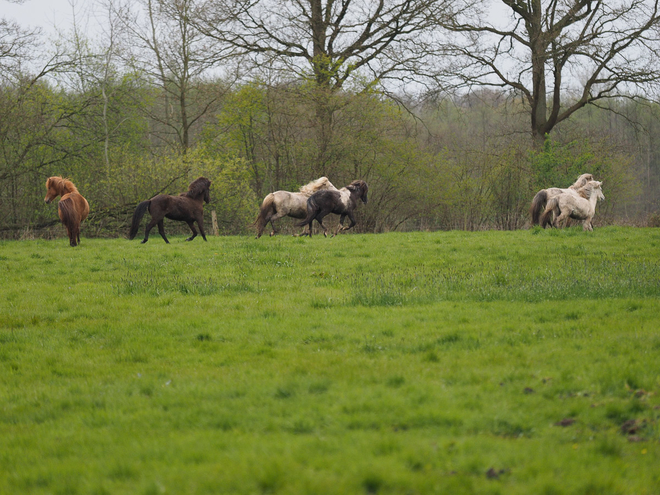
(44, 13)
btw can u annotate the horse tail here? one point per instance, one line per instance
(538, 203)
(137, 216)
(67, 212)
(312, 210)
(266, 211)
(546, 218)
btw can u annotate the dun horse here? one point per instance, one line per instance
(567, 205)
(280, 204)
(72, 207)
(186, 207)
(341, 202)
(544, 195)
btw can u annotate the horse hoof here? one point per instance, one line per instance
(143, 241)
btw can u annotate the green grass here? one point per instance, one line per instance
(395, 363)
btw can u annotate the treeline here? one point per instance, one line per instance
(416, 97)
(452, 163)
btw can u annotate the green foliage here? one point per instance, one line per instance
(559, 165)
(420, 362)
(451, 164)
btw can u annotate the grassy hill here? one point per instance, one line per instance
(446, 362)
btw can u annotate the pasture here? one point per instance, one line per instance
(447, 362)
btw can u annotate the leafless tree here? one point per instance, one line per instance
(165, 45)
(327, 42)
(329, 39)
(559, 55)
(17, 46)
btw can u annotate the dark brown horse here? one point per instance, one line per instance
(72, 208)
(186, 207)
(284, 203)
(340, 202)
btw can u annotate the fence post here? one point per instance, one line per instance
(214, 220)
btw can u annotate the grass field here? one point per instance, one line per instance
(447, 362)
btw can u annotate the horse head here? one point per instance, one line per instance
(598, 189)
(200, 187)
(593, 187)
(57, 186)
(51, 191)
(360, 188)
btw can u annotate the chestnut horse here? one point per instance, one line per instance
(186, 207)
(72, 207)
(341, 202)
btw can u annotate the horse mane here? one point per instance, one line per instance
(316, 185)
(587, 190)
(581, 181)
(61, 184)
(358, 184)
(197, 187)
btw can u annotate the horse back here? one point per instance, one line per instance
(291, 204)
(175, 207)
(81, 206)
(325, 199)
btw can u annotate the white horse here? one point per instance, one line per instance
(568, 205)
(280, 204)
(544, 195)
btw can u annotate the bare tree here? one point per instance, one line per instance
(17, 47)
(559, 55)
(165, 45)
(328, 42)
(330, 39)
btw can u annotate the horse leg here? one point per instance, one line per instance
(200, 224)
(194, 230)
(352, 219)
(72, 237)
(562, 219)
(319, 218)
(276, 216)
(340, 225)
(309, 227)
(152, 223)
(161, 230)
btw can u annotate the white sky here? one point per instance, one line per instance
(52, 15)
(42, 13)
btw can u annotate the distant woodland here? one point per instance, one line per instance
(453, 119)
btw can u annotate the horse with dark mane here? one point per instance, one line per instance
(186, 207)
(280, 204)
(341, 202)
(72, 208)
(544, 195)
